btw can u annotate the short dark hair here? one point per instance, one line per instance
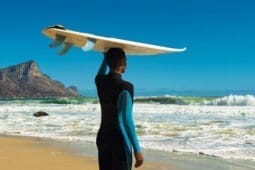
(114, 57)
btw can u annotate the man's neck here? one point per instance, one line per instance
(115, 71)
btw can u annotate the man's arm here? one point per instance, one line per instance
(101, 71)
(125, 106)
(103, 68)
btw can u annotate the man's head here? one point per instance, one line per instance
(116, 59)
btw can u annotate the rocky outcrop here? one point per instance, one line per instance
(40, 114)
(26, 81)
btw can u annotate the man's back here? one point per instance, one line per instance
(108, 88)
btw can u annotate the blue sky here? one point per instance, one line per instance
(219, 35)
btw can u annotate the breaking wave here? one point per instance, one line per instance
(231, 100)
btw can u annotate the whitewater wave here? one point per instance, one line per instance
(231, 100)
(65, 100)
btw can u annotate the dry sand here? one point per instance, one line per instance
(19, 153)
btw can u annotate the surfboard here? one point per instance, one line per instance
(87, 42)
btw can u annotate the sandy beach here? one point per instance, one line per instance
(29, 153)
(21, 153)
(26, 154)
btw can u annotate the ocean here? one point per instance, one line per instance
(213, 125)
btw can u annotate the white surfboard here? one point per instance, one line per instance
(88, 42)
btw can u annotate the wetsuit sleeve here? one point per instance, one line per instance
(102, 71)
(103, 67)
(125, 108)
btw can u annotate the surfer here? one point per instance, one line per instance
(116, 136)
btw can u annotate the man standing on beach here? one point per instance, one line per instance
(116, 136)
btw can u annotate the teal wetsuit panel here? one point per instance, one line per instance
(126, 123)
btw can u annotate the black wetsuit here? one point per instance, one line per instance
(116, 137)
(110, 141)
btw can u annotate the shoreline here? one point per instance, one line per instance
(79, 155)
(29, 153)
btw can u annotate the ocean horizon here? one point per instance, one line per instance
(162, 92)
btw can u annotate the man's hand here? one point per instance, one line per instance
(139, 159)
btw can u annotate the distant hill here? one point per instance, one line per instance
(26, 81)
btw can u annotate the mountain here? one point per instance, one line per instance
(26, 81)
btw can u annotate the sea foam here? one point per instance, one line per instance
(232, 100)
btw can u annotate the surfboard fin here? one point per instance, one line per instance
(66, 47)
(58, 40)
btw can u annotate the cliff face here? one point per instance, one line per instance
(26, 81)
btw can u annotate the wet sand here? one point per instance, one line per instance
(22, 153)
